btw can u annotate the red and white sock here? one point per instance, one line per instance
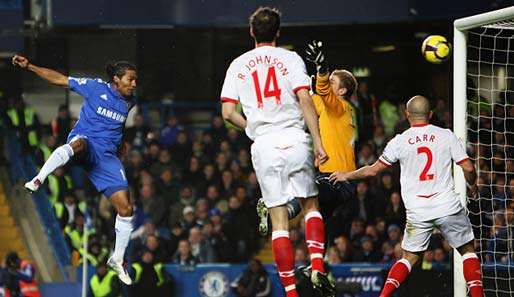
(396, 276)
(473, 275)
(315, 239)
(283, 254)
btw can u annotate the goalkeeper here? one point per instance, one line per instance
(336, 123)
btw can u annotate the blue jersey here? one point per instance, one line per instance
(103, 113)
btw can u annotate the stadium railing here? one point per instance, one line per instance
(23, 168)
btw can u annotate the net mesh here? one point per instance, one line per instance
(490, 124)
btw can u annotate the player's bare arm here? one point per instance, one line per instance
(470, 175)
(51, 76)
(229, 113)
(361, 173)
(311, 118)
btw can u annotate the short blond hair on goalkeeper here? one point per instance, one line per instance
(347, 80)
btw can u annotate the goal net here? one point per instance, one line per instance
(484, 119)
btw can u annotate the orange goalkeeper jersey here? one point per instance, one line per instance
(336, 127)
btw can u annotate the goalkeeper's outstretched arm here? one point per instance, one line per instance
(51, 76)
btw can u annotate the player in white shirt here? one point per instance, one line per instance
(272, 86)
(426, 154)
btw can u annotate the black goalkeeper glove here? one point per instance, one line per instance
(315, 55)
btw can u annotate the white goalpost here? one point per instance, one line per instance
(483, 114)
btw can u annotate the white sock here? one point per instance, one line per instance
(59, 157)
(123, 228)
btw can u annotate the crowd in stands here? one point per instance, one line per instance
(195, 192)
(491, 145)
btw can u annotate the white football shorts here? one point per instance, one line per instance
(284, 169)
(456, 228)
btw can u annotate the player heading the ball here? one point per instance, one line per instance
(94, 141)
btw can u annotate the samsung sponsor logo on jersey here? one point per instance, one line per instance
(110, 114)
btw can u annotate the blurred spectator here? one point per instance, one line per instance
(498, 244)
(440, 256)
(379, 138)
(382, 192)
(500, 195)
(252, 186)
(372, 233)
(237, 141)
(332, 256)
(389, 115)
(183, 255)
(210, 177)
(243, 158)
(388, 253)
(75, 233)
(168, 187)
(133, 169)
(29, 288)
(364, 111)
(212, 196)
(209, 146)
(300, 256)
(218, 131)
(227, 185)
(163, 162)
(362, 207)
(104, 283)
(201, 212)
(394, 234)
(45, 149)
(356, 232)
(66, 210)
(96, 252)
(150, 277)
(170, 132)
(367, 251)
(61, 125)
(344, 249)
(153, 206)
(25, 123)
(152, 153)
(395, 210)
(235, 227)
(157, 246)
(136, 135)
(181, 150)
(193, 173)
(221, 162)
(366, 156)
(428, 259)
(188, 220)
(177, 208)
(253, 282)
(201, 248)
(59, 183)
(12, 277)
(296, 236)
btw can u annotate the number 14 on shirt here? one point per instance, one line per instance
(271, 88)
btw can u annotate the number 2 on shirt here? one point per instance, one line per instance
(271, 82)
(424, 176)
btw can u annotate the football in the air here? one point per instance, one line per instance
(436, 49)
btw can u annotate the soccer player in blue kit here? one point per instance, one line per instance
(95, 140)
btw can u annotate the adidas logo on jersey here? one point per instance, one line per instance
(110, 114)
(103, 96)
